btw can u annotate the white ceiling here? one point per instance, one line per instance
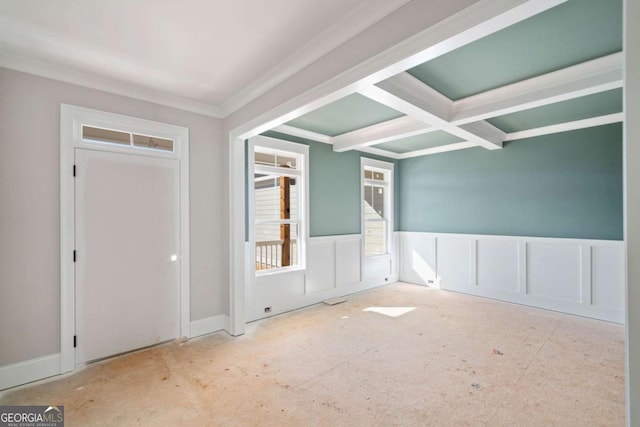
(209, 56)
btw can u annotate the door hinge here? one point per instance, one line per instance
(75, 341)
(74, 170)
(74, 256)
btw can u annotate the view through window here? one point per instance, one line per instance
(375, 209)
(277, 181)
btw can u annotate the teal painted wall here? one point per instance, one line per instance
(334, 187)
(564, 185)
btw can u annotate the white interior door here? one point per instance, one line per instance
(128, 247)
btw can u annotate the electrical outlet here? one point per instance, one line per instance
(267, 309)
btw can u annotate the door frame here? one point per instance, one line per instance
(71, 120)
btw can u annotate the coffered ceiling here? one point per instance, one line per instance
(556, 71)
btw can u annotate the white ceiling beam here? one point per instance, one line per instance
(400, 104)
(326, 139)
(379, 152)
(390, 130)
(568, 126)
(302, 133)
(419, 94)
(436, 150)
(479, 132)
(427, 110)
(409, 97)
(587, 78)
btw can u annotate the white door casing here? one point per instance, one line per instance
(72, 119)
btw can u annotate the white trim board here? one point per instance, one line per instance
(594, 76)
(209, 325)
(71, 120)
(567, 126)
(29, 370)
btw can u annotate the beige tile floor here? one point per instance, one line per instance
(345, 366)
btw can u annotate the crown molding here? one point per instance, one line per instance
(366, 14)
(106, 84)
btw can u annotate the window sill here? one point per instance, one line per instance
(374, 257)
(284, 270)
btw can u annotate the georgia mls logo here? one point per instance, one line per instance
(53, 408)
(32, 416)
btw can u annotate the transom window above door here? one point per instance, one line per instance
(123, 138)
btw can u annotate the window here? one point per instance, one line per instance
(107, 136)
(377, 209)
(278, 178)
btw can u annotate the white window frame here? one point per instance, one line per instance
(387, 168)
(301, 173)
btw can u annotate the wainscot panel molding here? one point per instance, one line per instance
(335, 268)
(575, 276)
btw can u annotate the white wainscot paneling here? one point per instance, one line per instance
(607, 269)
(272, 290)
(576, 276)
(333, 269)
(375, 267)
(553, 271)
(418, 259)
(321, 268)
(453, 264)
(497, 264)
(348, 267)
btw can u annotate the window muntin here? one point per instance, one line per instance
(152, 142)
(121, 138)
(375, 175)
(277, 208)
(275, 159)
(375, 210)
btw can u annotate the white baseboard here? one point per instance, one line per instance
(47, 366)
(317, 297)
(29, 371)
(209, 325)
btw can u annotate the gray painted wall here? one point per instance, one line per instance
(30, 207)
(334, 187)
(563, 185)
(632, 208)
